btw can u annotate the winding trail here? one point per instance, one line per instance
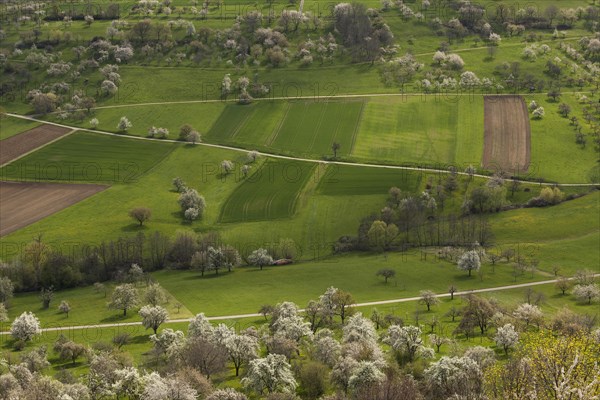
(254, 315)
(279, 156)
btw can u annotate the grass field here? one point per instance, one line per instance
(87, 157)
(272, 192)
(567, 235)
(311, 128)
(554, 153)
(200, 116)
(421, 130)
(301, 128)
(347, 180)
(10, 126)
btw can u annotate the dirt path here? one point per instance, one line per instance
(265, 154)
(254, 315)
(24, 143)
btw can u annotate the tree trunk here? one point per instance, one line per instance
(124, 312)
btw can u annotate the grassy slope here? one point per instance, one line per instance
(10, 126)
(567, 235)
(228, 294)
(554, 153)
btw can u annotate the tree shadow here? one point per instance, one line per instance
(134, 227)
(117, 317)
(67, 365)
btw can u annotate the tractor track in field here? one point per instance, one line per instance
(311, 160)
(254, 315)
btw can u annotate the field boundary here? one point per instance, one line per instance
(356, 128)
(275, 132)
(311, 160)
(15, 137)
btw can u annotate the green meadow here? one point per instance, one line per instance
(10, 126)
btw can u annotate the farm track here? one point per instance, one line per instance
(450, 96)
(311, 160)
(254, 315)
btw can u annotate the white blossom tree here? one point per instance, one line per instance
(538, 113)
(506, 337)
(226, 394)
(407, 341)
(292, 328)
(529, 313)
(200, 326)
(359, 329)
(454, 376)
(365, 374)
(226, 85)
(325, 348)
(25, 327)
(64, 307)
(124, 124)
(241, 349)
(260, 258)
(227, 166)
(342, 371)
(483, 356)
(124, 297)
(469, 261)
(159, 388)
(155, 295)
(270, 374)
(587, 293)
(153, 317)
(3, 313)
(128, 383)
(165, 339)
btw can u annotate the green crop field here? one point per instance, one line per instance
(88, 157)
(311, 128)
(421, 130)
(301, 128)
(272, 192)
(10, 126)
(348, 180)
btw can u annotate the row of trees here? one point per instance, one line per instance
(42, 266)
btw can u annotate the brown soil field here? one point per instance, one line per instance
(18, 145)
(24, 203)
(507, 140)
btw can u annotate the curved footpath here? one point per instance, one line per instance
(254, 315)
(272, 155)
